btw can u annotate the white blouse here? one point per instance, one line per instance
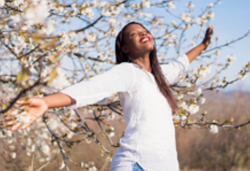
(149, 137)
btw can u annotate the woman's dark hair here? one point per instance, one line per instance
(155, 67)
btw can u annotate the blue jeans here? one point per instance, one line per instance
(137, 167)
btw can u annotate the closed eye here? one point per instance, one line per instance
(133, 34)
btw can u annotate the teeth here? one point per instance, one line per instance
(145, 40)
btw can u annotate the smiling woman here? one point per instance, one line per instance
(135, 43)
(148, 143)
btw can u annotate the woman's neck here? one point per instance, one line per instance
(143, 62)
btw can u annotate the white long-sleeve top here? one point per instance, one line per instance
(149, 137)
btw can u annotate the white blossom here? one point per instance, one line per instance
(180, 96)
(90, 37)
(12, 147)
(13, 155)
(174, 23)
(202, 100)
(230, 59)
(171, 43)
(193, 108)
(184, 84)
(16, 18)
(10, 140)
(246, 67)
(93, 168)
(217, 53)
(210, 5)
(146, 3)
(82, 164)
(29, 141)
(110, 116)
(60, 9)
(179, 117)
(198, 92)
(204, 71)
(62, 165)
(240, 76)
(88, 12)
(186, 18)
(50, 27)
(183, 105)
(2, 2)
(114, 10)
(171, 5)
(190, 5)
(110, 131)
(35, 14)
(106, 12)
(198, 20)
(113, 22)
(8, 133)
(174, 36)
(114, 32)
(147, 15)
(210, 15)
(60, 81)
(88, 141)
(45, 149)
(202, 20)
(99, 4)
(214, 128)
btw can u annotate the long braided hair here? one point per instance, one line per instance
(154, 63)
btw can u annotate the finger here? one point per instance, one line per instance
(211, 33)
(27, 124)
(17, 125)
(12, 112)
(207, 32)
(6, 118)
(213, 29)
(10, 123)
(22, 102)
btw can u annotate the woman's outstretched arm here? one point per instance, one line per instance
(179, 66)
(58, 100)
(120, 78)
(193, 53)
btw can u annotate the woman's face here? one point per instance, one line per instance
(137, 40)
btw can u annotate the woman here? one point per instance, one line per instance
(149, 139)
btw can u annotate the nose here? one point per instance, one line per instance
(143, 33)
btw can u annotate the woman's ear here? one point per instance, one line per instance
(125, 49)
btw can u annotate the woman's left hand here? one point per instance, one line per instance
(209, 32)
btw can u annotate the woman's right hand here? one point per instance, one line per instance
(36, 107)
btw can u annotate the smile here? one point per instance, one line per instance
(145, 39)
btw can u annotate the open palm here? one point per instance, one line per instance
(36, 108)
(207, 39)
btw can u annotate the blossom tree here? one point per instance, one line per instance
(37, 36)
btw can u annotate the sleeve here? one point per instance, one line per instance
(175, 68)
(119, 78)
